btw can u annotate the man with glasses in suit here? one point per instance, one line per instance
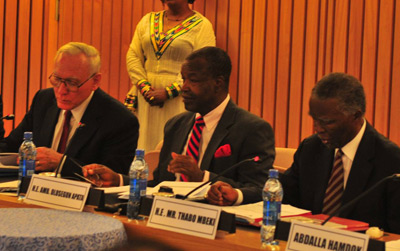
(76, 118)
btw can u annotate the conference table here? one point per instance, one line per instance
(245, 238)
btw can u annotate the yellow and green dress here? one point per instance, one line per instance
(154, 59)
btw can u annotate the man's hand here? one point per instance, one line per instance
(47, 159)
(222, 194)
(186, 165)
(156, 97)
(107, 177)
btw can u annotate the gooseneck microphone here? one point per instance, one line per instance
(365, 193)
(8, 117)
(255, 159)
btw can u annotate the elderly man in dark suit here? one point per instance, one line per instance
(337, 106)
(77, 118)
(228, 135)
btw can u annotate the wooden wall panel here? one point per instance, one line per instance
(296, 73)
(21, 70)
(355, 38)
(394, 132)
(246, 31)
(270, 62)
(369, 55)
(384, 66)
(278, 48)
(257, 57)
(233, 46)
(311, 49)
(9, 61)
(283, 69)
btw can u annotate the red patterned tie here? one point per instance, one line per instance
(194, 142)
(334, 192)
(65, 131)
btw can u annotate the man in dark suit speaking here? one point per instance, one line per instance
(215, 133)
(344, 158)
(77, 118)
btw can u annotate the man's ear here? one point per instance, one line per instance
(96, 81)
(357, 115)
(220, 83)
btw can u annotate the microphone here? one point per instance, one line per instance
(8, 117)
(255, 159)
(365, 193)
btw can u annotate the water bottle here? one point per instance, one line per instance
(27, 157)
(138, 174)
(272, 197)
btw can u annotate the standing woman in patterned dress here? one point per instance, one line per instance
(161, 42)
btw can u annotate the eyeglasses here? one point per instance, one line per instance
(71, 85)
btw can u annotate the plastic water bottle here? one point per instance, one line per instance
(138, 174)
(27, 157)
(272, 197)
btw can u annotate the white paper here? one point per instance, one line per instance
(251, 212)
(393, 245)
(121, 189)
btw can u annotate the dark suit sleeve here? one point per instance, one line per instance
(290, 181)
(14, 140)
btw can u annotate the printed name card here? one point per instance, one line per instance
(57, 193)
(184, 217)
(306, 236)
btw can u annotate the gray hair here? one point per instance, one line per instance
(74, 48)
(343, 87)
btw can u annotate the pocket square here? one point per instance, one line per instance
(223, 151)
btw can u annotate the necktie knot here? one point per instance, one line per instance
(200, 121)
(67, 115)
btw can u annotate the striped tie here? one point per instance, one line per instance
(334, 192)
(194, 142)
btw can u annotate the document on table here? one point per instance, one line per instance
(393, 245)
(9, 188)
(179, 188)
(8, 164)
(253, 213)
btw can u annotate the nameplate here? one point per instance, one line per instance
(306, 236)
(184, 217)
(57, 193)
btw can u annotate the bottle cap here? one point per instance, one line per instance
(139, 152)
(28, 135)
(273, 173)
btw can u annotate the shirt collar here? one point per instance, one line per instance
(350, 148)
(212, 118)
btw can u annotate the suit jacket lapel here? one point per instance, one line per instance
(227, 119)
(185, 128)
(360, 170)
